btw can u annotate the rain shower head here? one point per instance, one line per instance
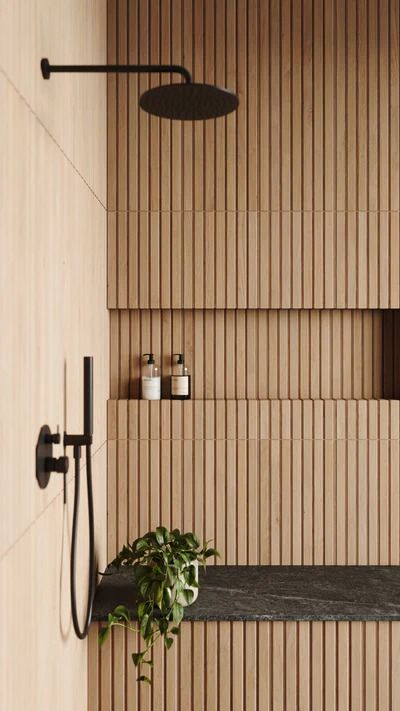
(188, 101)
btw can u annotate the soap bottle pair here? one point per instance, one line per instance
(151, 379)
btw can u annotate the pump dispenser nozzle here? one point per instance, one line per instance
(151, 360)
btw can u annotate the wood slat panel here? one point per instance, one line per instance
(283, 668)
(257, 354)
(285, 253)
(318, 84)
(308, 471)
(290, 203)
(302, 181)
(363, 420)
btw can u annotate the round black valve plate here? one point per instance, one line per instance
(44, 450)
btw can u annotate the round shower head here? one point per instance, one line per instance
(188, 101)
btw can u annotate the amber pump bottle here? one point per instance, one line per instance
(180, 379)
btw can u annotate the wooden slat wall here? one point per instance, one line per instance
(227, 237)
(262, 353)
(249, 666)
(317, 128)
(293, 201)
(271, 482)
(254, 260)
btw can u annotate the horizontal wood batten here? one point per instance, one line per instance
(254, 260)
(250, 354)
(249, 666)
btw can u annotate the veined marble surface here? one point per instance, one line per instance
(263, 592)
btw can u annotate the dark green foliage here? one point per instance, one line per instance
(164, 565)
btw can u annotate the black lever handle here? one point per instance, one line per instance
(60, 464)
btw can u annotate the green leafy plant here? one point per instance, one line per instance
(165, 564)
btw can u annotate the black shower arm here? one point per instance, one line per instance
(48, 69)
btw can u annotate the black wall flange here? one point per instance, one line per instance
(45, 462)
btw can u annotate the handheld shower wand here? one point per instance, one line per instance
(77, 442)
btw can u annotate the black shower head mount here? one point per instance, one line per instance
(188, 101)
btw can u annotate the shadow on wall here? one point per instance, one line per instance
(64, 592)
(391, 354)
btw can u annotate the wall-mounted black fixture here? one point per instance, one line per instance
(46, 463)
(188, 101)
(77, 441)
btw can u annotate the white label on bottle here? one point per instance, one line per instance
(151, 388)
(179, 385)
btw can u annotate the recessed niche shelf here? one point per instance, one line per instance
(263, 354)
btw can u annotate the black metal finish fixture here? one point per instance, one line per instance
(77, 441)
(45, 462)
(188, 101)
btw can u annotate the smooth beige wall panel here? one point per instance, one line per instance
(268, 666)
(52, 313)
(37, 637)
(250, 354)
(270, 482)
(73, 110)
(52, 309)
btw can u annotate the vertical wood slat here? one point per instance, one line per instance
(274, 55)
(353, 250)
(285, 203)
(268, 353)
(318, 477)
(307, 665)
(304, 141)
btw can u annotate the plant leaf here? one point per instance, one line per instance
(143, 626)
(175, 630)
(141, 609)
(162, 625)
(209, 553)
(103, 634)
(144, 678)
(137, 657)
(168, 642)
(177, 613)
(144, 586)
(167, 597)
(122, 611)
(188, 595)
(160, 535)
(141, 544)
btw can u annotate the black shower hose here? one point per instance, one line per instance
(82, 633)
